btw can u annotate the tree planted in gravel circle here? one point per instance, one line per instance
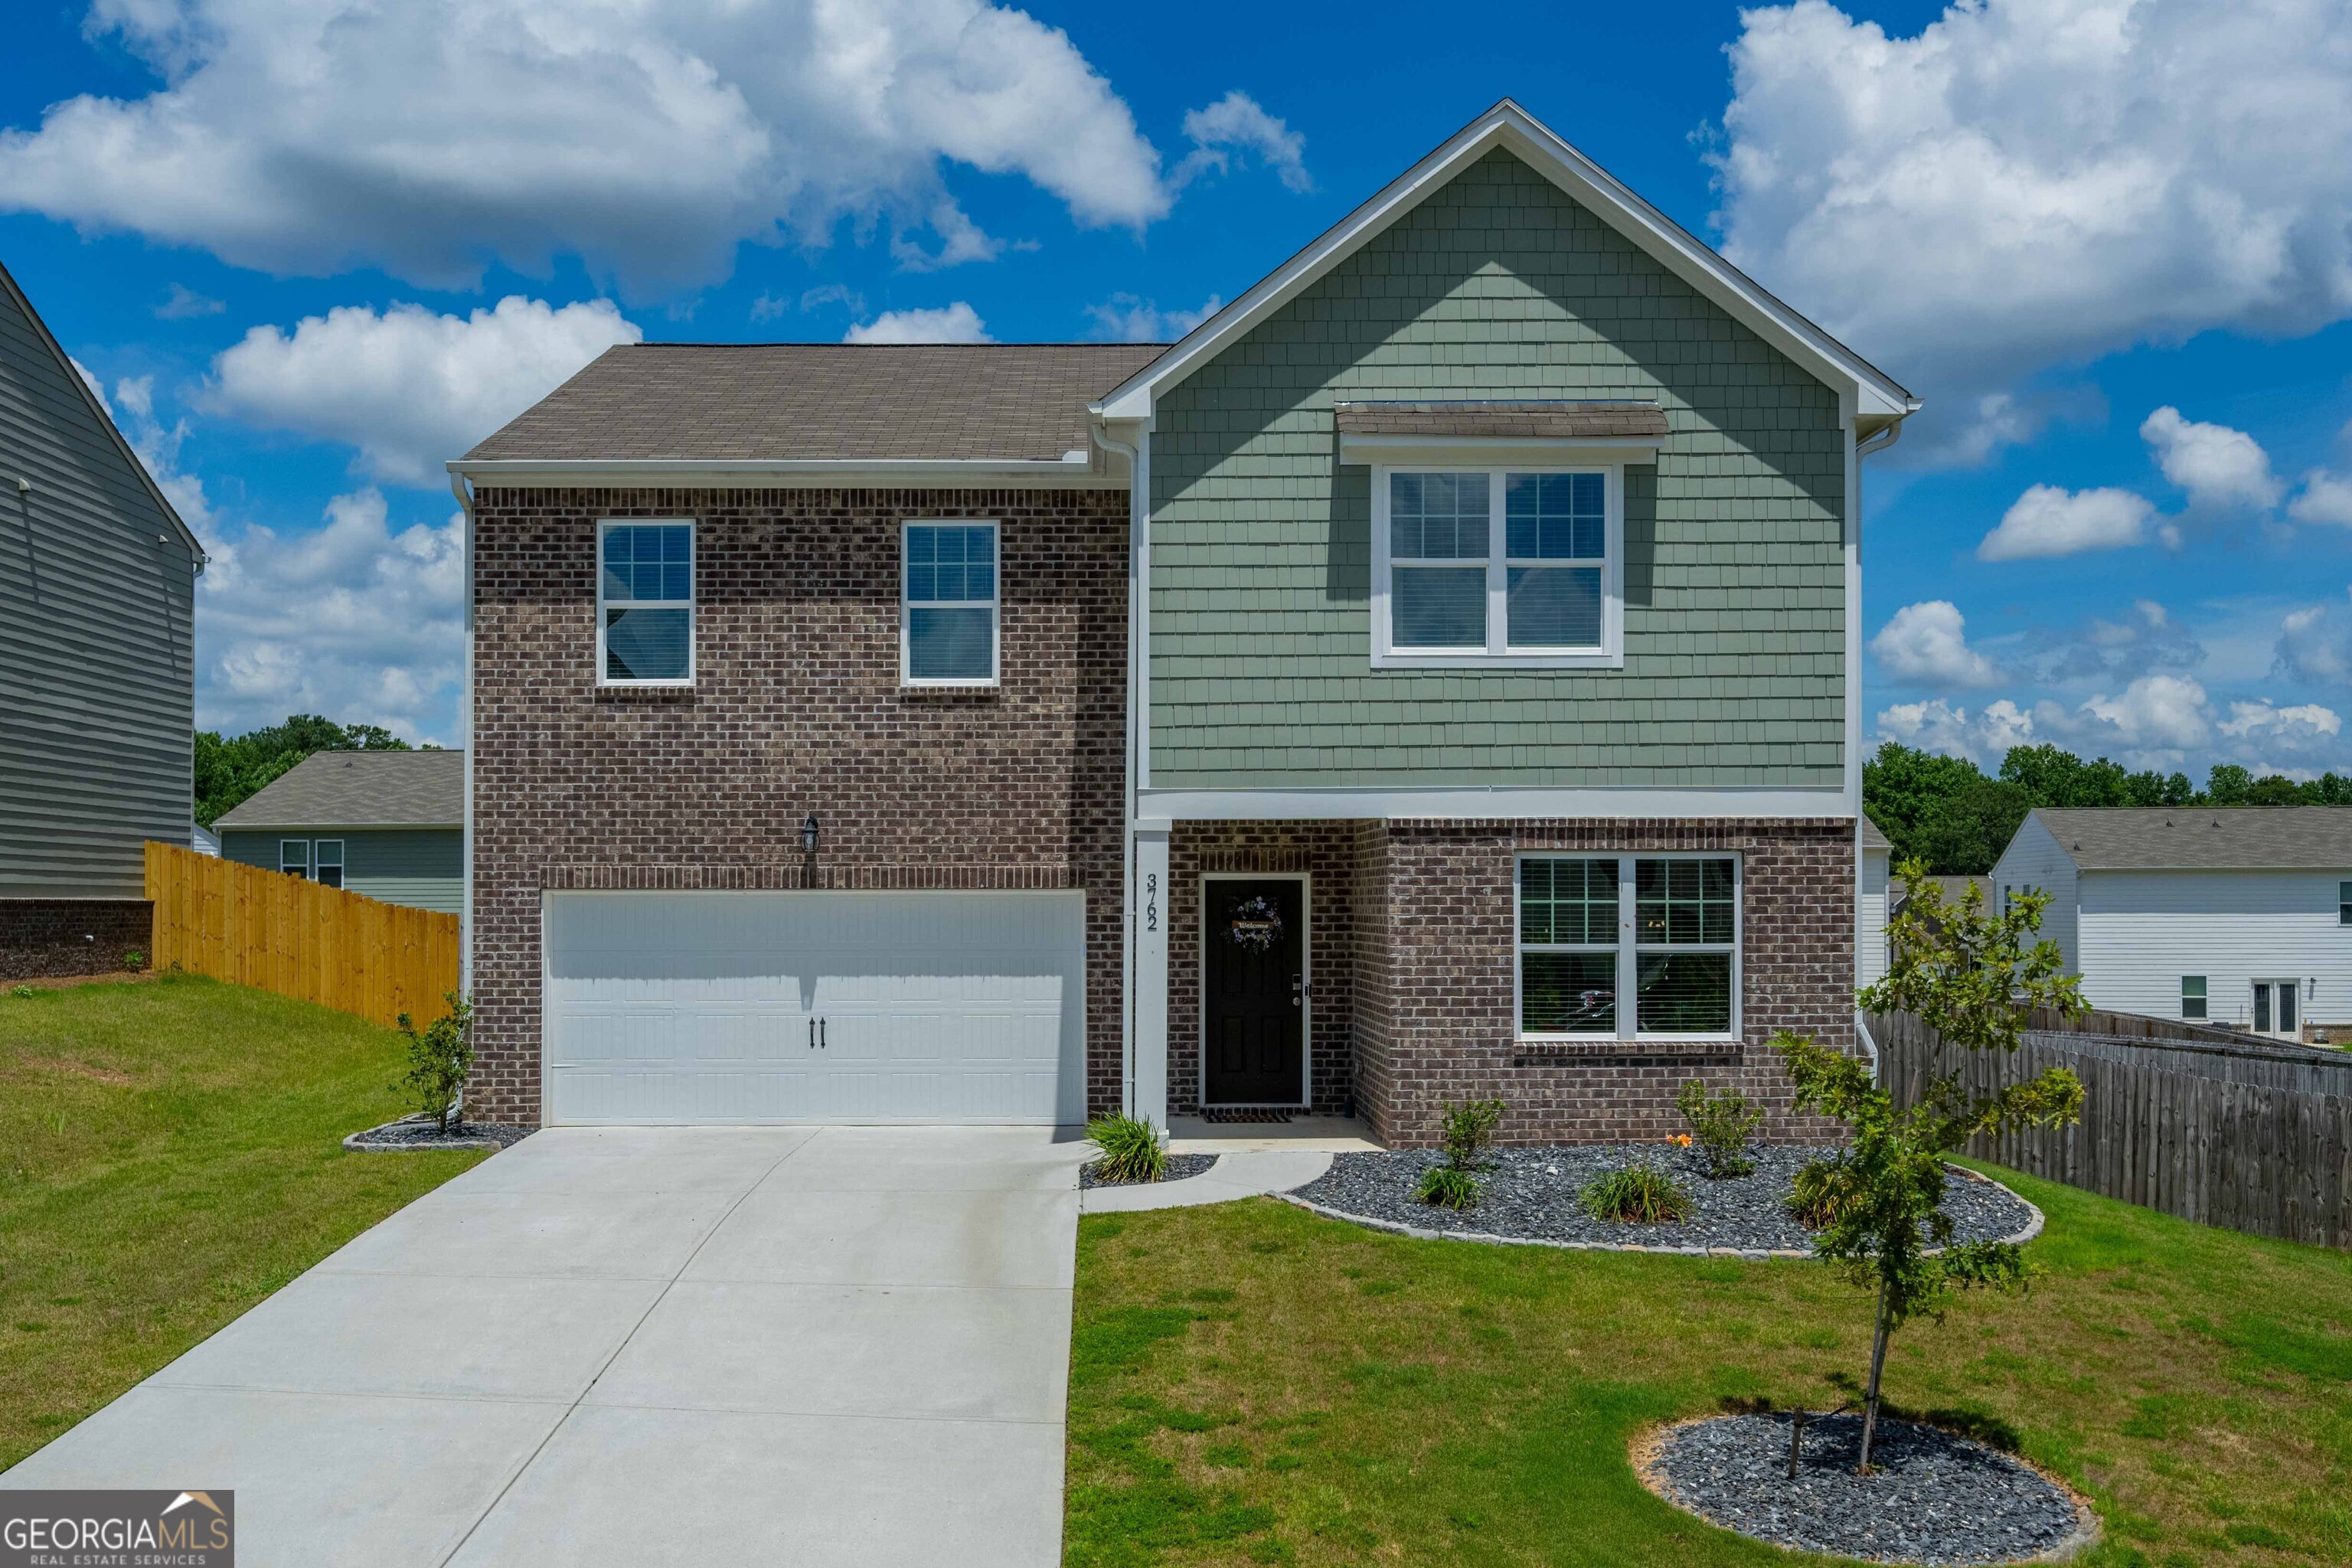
(1974, 978)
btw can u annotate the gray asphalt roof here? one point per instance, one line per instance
(2242, 837)
(360, 789)
(782, 402)
(1871, 839)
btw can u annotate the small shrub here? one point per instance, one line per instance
(25, 992)
(1447, 1187)
(439, 1058)
(1469, 1127)
(1131, 1149)
(1637, 1195)
(134, 960)
(1812, 1197)
(1722, 1123)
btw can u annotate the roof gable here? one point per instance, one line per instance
(2202, 838)
(13, 298)
(359, 789)
(1878, 398)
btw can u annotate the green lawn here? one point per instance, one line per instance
(169, 1155)
(1251, 1383)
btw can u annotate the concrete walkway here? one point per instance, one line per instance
(1244, 1175)
(647, 1346)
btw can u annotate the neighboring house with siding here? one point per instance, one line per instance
(2232, 915)
(388, 825)
(97, 682)
(1870, 953)
(1436, 676)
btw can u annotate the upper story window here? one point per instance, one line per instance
(645, 604)
(947, 622)
(1497, 567)
(1629, 946)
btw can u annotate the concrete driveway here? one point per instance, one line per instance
(647, 1346)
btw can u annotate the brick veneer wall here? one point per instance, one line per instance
(72, 936)
(1448, 1032)
(1326, 852)
(796, 708)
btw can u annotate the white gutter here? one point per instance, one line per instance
(466, 710)
(1074, 468)
(1878, 442)
(1139, 502)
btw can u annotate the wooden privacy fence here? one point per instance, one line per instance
(2254, 1137)
(293, 936)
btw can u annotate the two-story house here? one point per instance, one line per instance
(1435, 676)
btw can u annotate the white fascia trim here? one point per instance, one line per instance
(1477, 802)
(1513, 129)
(1492, 449)
(1073, 472)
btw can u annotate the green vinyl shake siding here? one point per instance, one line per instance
(423, 867)
(1497, 286)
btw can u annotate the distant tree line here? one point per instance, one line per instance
(1950, 814)
(231, 771)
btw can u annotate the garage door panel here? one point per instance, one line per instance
(697, 1006)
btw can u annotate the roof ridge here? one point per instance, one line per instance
(793, 343)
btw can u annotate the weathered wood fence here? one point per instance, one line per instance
(2224, 1132)
(294, 937)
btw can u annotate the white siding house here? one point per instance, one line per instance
(2238, 916)
(1870, 904)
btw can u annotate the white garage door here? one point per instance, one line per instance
(748, 1007)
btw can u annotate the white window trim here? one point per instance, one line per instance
(693, 617)
(1628, 949)
(302, 870)
(1496, 654)
(2204, 999)
(907, 678)
(319, 861)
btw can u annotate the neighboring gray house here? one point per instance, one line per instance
(96, 680)
(1870, 953)
(2232, 915)
(388, 825)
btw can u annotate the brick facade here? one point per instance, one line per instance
(40, 937)
(1419, 916)
(796, 708)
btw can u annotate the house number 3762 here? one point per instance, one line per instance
(1151, 900)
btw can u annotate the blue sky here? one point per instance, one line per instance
(2111, 246)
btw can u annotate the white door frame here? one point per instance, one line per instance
(1306, 880)
(2286, 984)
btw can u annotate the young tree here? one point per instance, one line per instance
(1974, 979)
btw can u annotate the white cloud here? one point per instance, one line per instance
(2047, 520)
(2217, 466)
(1937, 726)
(132, 409)
(2313, 645)
(2324, 497)
(1127, 319)
(2271, 733)
(181, 302)
(351, 620)
(2160, 712)
(2100, 650)
(1233, 124)
(1928, 642)
(649, 136)
(409, 388)
(2028, 183)
(956, 323)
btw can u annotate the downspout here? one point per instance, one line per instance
(1877, 443)
(458, 488)
(1137, 504)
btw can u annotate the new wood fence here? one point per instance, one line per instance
(2254, 1137)
(297, 938)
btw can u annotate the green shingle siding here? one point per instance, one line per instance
(1498, 286)
(423, 867)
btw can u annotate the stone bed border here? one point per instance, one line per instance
(1643, 1448)
(358, 1141)
(2033, 1228)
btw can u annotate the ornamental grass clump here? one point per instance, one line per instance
(1639, 1194)
(1465, 1132)
(1132, 1150)
(1722, 1123)
(1973, 979)
(1812, 1194)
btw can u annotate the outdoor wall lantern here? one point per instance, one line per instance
(808, 834)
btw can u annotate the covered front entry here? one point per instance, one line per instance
(743, 1007)
(1253, 994)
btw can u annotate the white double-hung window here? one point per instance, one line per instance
(1499, 566)
(948, 618)
(1629, 946)
(645, 604)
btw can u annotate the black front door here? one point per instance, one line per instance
(1252, 993)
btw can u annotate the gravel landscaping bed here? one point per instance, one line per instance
(1179, 1167)
(1934, 1497)
(412, 1134)
(1530, 1195)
